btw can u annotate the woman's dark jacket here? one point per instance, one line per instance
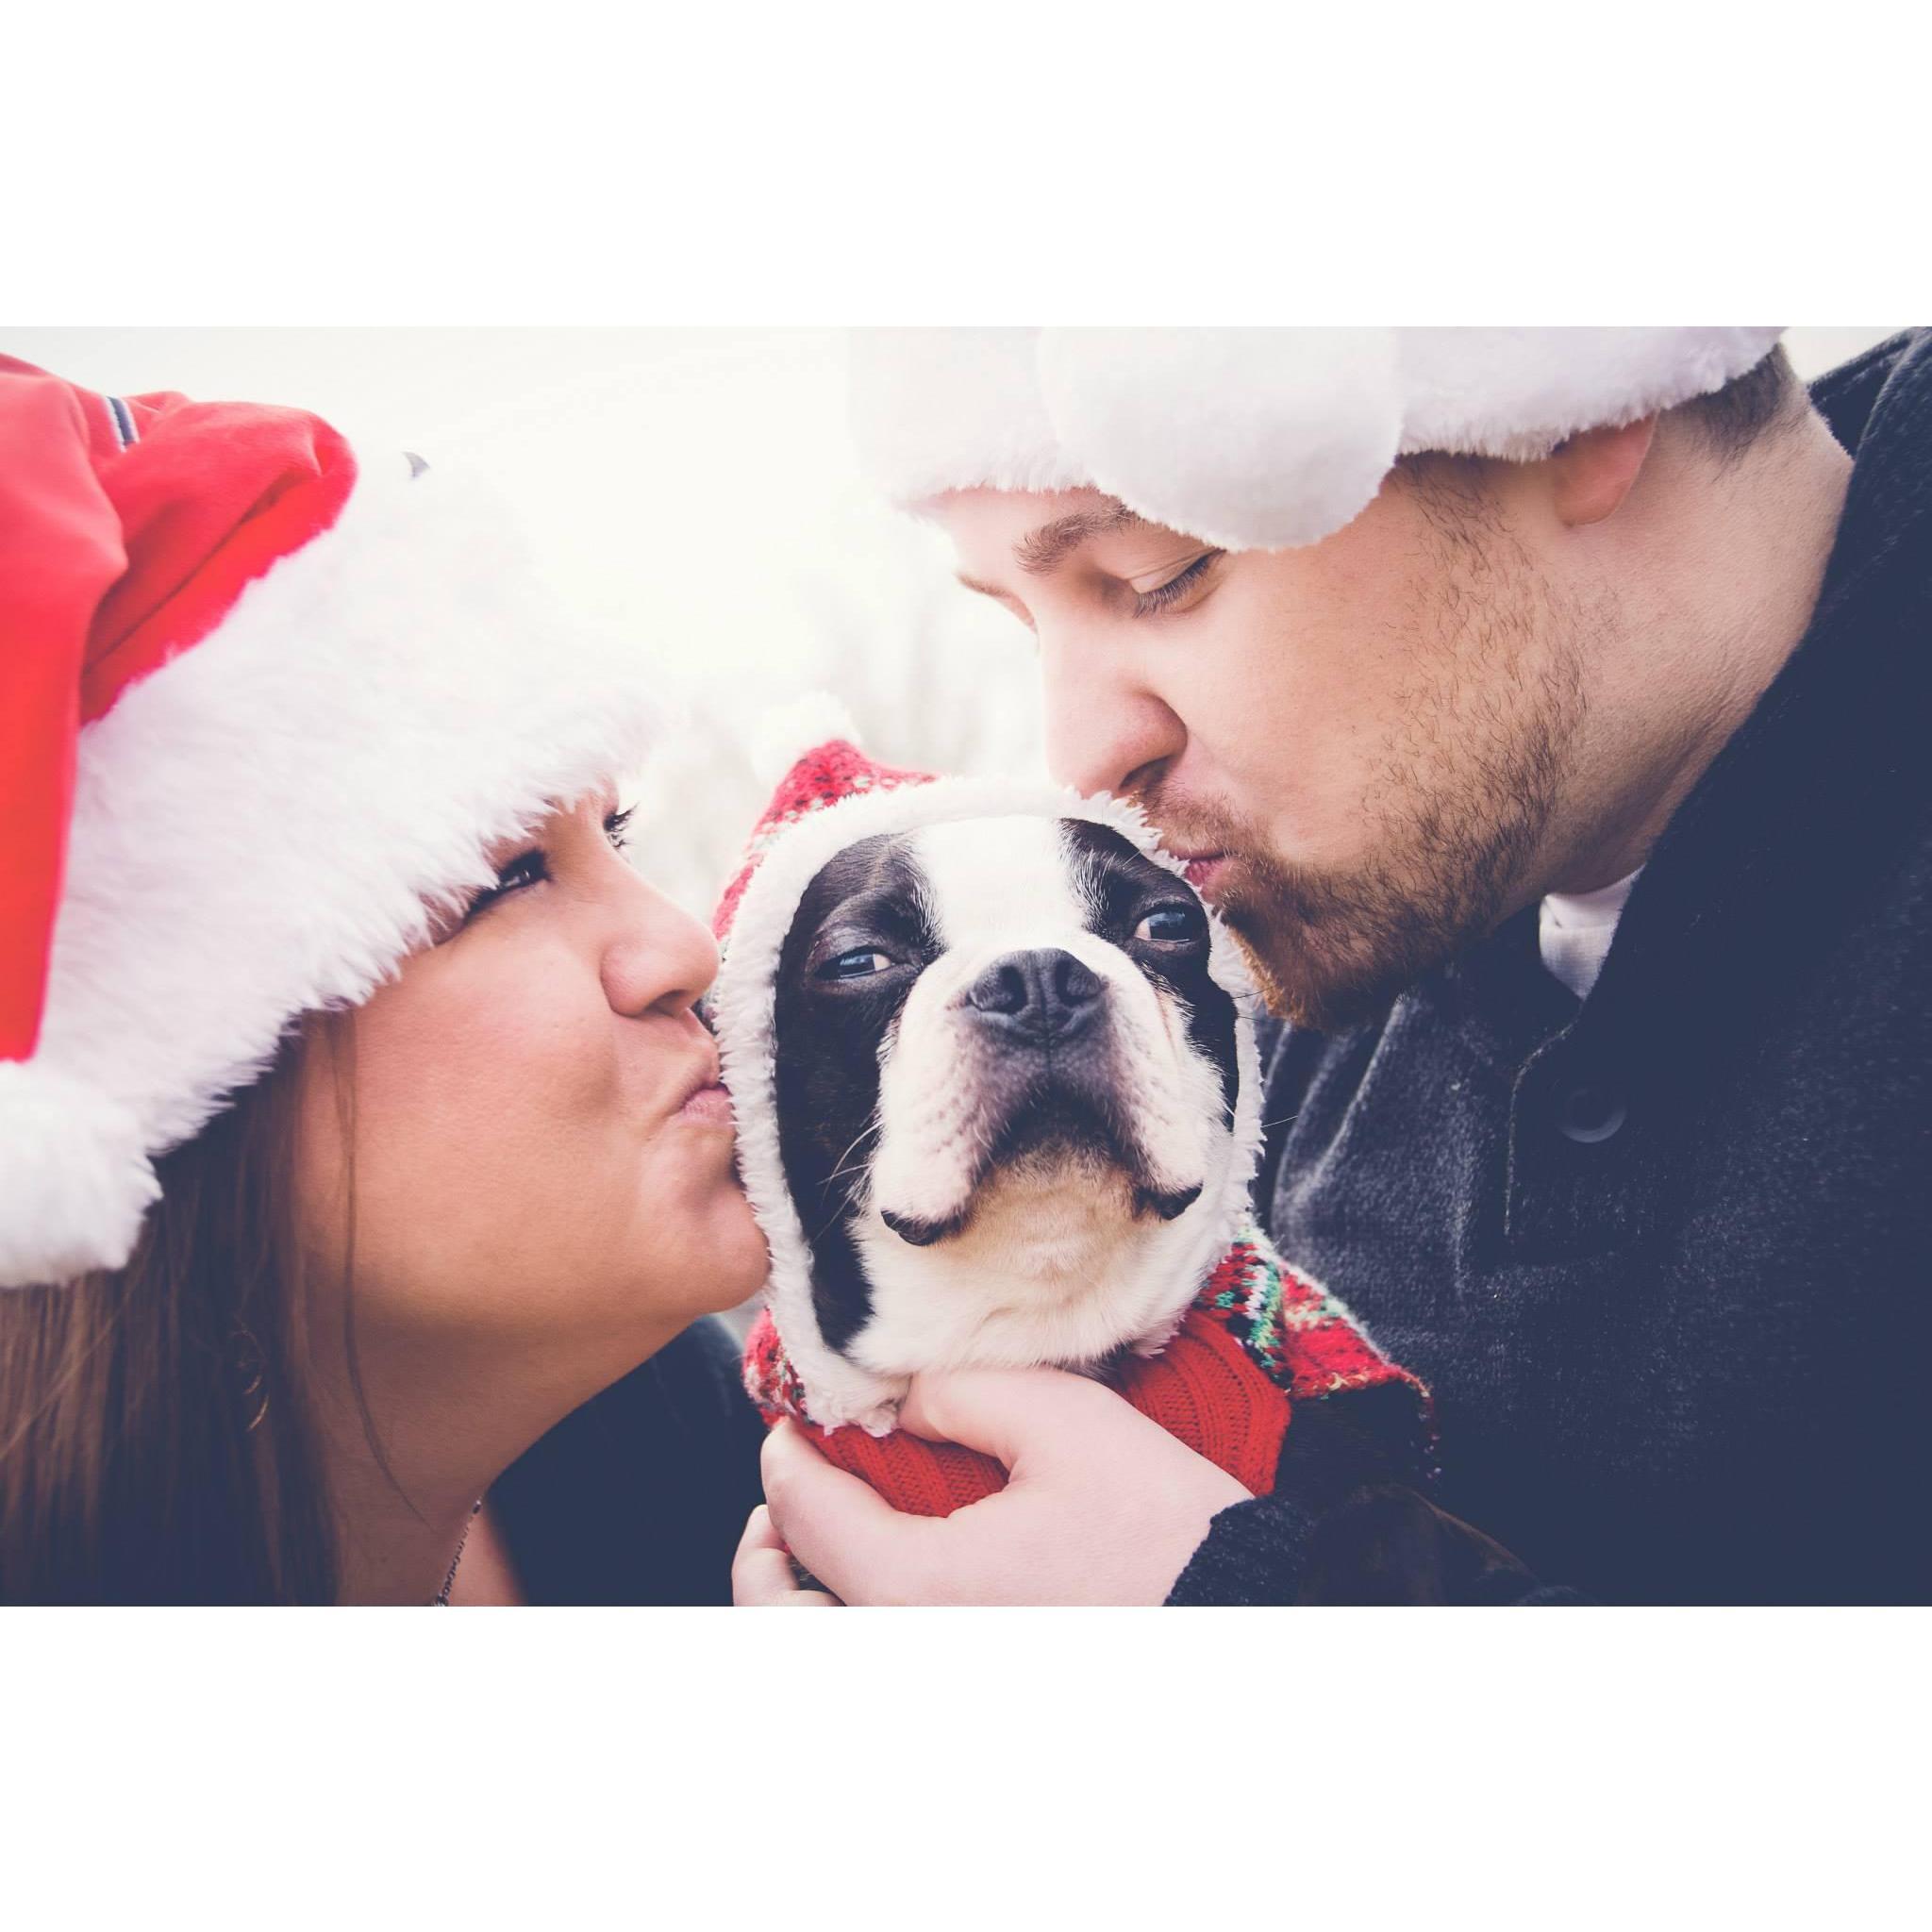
(640, 1496)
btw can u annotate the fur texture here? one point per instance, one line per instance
(1255, 439)
(262, 827)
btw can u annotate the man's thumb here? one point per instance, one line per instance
(1017, 1416)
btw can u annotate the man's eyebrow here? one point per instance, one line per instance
(1041, 552)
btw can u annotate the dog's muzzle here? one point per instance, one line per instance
(1041, 1018)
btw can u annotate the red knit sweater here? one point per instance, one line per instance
(1257, 1339)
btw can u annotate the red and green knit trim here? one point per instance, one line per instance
(1255, 1342)
(1301, 1335)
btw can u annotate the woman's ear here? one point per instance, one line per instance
(1592, 473)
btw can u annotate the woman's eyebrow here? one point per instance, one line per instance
(1041, 552)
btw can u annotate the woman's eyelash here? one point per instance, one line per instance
(532, 867)
(525, 869)
(1147, 602)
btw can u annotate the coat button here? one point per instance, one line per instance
(1588, 1114)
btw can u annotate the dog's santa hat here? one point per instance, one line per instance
(1252, 438)
(265, 703)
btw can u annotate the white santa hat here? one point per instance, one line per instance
(265, 703)
(1252, 438)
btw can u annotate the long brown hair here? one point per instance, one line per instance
(156, 1443)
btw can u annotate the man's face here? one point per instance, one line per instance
(1360, 743)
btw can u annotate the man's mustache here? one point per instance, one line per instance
(1192, 822)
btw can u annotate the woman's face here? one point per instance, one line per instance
(542, 1158)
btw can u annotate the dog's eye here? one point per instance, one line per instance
(1170, 925)
(859, 965)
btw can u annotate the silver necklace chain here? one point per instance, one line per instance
(440, 1600)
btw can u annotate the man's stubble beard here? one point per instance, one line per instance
(1460, 804)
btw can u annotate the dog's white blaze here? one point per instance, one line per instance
(1049, 1268)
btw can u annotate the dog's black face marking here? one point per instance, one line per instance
(1033, 1039)
(1155, 917)
(858, 941)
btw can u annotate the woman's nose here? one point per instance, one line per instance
(662, 960)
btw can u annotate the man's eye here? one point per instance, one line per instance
(861, 963)
(1178, 587)
(1169, 925)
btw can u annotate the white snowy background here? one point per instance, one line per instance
(697, 486)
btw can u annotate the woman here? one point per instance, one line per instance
(356, 1124)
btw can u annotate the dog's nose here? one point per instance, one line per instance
(1044, 996)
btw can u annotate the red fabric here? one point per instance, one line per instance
(1227, 1398)
(1203, 1387)
(114, 560)
(826, 774)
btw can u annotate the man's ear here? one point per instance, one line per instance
(1592, 473)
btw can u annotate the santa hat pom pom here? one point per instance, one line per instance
(783, 733)
(1221, 433)
(78, 1179)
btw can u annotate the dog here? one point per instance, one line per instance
(1007, 1083)
(996, 1075)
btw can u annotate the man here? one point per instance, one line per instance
(1545, 710)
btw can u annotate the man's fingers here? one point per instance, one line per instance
(1014, 1415)
(763, 1571)
(839, 1528)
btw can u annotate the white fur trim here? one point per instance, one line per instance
(1517, 392)
(78, 1179)
(953, 408)
(1252, 438)
(260, 827)
(743, 1004)
(1220, 433)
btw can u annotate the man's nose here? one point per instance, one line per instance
(1103, 733)
(1040, 998)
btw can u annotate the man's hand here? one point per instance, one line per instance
(763, 1573)
(1101, 1505)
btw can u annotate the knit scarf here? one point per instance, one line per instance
(1256, 1341)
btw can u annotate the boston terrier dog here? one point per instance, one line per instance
(995, 1077)
(1005, 1083)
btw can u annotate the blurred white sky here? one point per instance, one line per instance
(696, 486)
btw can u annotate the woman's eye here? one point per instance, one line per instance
(617, 828)
(526, 869)
(860, 963)
(1177, 587)
(1170, 925)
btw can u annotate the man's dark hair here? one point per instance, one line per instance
(1731, 419)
